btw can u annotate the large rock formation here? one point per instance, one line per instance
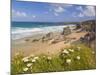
(88, 38)
(47, 37)
(57, 39)
(89, 25)
(66, 31)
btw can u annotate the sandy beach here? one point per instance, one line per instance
(27, 46)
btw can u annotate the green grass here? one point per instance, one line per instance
(56, 63)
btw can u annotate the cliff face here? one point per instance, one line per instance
(89, 25)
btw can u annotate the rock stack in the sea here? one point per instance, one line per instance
(66, 31)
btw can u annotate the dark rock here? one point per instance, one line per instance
(26, 39)
(34, 40)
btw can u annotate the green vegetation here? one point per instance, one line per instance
(77, 57)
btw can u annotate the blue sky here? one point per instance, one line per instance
(51, 12)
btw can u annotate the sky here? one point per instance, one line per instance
(51, 12)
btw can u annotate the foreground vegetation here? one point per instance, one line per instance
(77, 57)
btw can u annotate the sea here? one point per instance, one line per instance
(26, 29)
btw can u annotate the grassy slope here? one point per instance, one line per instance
(58, 62)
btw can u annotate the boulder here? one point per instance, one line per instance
(57, 39)
(47, 37)
(66, 31)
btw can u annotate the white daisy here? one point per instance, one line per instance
(78, 57)
(71, 50)
(93, 52)
(44, 56)
(25, 69)
(36, 58)
(65, 51)
(68, 61)
(49, 58)
(29, 64)
(25, 59)
(33, 60)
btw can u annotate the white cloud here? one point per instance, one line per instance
(87, 11)
(33, 16)
(62, 5)
(80, 15)
(59, 9)
(21, 14)
(18, 14)
(79, 8)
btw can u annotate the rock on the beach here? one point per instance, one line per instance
(66, 31)
(48, 36)
(57, 39)
(88, 38)
(34, 40)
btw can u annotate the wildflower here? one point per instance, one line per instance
(65, 51)
(25, 59)
(49, 58)
(68, 61)
(29, 64)
(44, 56)
(78, 57)
(33, 60)
(93, 52)
(71, 50)
(25, 69)
(36, 58)
(79, 48)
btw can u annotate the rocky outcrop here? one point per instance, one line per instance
(66, 31)
(88, 38)
(89, 25)
(47, 37)
(57, 39)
